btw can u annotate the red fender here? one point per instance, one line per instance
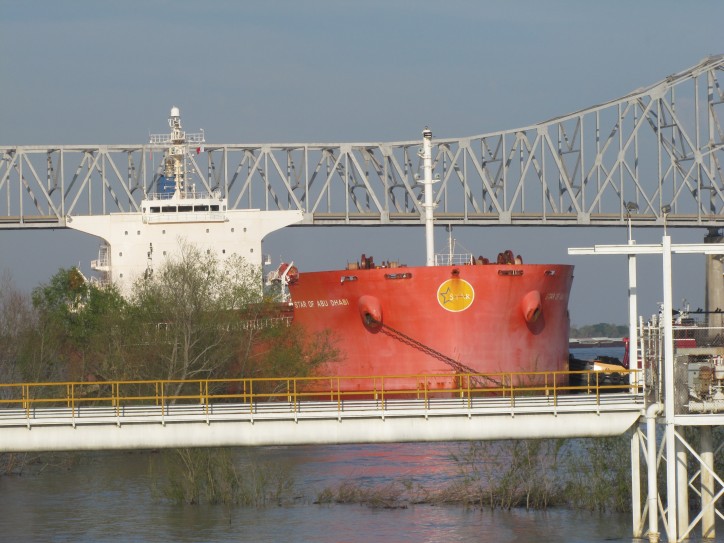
(531, 306)
(370, 310)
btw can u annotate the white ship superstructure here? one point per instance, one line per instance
(134, 244)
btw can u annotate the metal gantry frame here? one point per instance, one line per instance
(659, 379)
(663, 144)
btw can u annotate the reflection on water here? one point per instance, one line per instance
(109, 498)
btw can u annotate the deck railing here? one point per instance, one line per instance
(296, 390)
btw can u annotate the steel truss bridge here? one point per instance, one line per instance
(658, 147)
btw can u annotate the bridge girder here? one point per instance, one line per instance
(659, 146)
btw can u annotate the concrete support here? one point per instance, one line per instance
(708, 519)
(714, 298)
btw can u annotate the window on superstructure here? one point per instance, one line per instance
(214, 208)
(185, 208)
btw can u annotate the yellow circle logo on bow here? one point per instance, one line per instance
(455, 295)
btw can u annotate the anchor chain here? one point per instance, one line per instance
(459, 368)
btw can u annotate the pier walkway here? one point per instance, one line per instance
(83, 416)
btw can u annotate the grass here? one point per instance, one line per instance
(589, 474)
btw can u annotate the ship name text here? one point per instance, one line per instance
(309, 304)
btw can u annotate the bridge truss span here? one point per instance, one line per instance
(658, 147)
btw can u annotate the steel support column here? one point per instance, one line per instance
(708, 519)
(670, 430)
(682, 488)
(636, 484)
(652, 482)
(632, 313)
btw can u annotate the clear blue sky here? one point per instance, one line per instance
(84, 71)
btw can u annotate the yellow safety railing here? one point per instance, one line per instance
(295, 390)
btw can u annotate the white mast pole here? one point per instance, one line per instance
(428, 205)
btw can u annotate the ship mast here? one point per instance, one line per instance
(177, 141)
(428, 205)
(176, 152)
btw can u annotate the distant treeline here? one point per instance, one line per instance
(602, 329)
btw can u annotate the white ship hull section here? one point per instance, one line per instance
(137, 242)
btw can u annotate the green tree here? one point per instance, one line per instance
(17, 322)
(602, 329)
(188, 315)
(196, 317)
(75, 320)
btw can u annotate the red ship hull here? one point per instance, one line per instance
(438, 320)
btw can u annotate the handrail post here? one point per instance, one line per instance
(427, 403)
(339, 397)
(512, 390)
(470, 394)
(24, 395)
(382, 394)
(163, 397)
(251, 396)
(598, 389)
